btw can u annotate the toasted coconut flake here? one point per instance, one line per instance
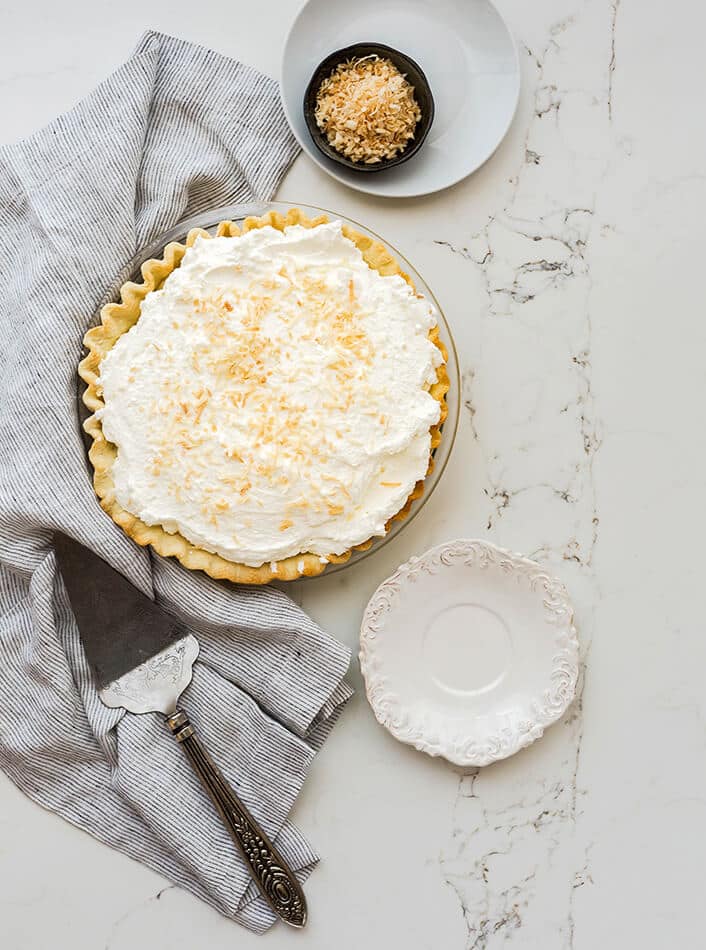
(367, 110)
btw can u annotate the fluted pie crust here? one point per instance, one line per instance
(118, 318)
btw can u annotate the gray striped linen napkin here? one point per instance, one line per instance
(176, 130)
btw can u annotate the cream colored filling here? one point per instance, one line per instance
(272, 399)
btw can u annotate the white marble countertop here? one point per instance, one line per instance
(569, 268)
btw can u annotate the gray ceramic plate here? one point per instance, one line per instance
(469, 59)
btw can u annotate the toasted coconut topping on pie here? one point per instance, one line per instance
(273, 398)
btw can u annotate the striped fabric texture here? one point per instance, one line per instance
(176, 130)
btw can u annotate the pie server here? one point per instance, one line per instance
(142, 661)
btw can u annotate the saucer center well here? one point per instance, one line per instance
(467, 649)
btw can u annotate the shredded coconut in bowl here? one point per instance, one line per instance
(367, 110)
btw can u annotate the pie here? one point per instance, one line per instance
(266, 400)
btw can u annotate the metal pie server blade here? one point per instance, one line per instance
(120, 627)
(142, 660)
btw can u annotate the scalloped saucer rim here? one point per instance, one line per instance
(469, 652)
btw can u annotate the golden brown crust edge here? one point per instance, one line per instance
(117, 318)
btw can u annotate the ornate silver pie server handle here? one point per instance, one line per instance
(276, 881)
(155, 686)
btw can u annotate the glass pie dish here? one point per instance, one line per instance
(237, 213)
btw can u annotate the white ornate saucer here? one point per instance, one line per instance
(469, 652)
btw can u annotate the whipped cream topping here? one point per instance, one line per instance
(273, 398)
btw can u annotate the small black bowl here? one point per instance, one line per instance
(415, 77)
